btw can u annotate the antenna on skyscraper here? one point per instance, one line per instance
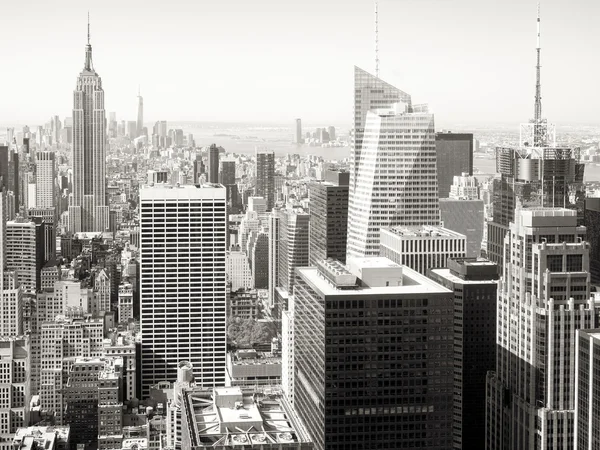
(376, 38)
(537, 116)
(88, 28)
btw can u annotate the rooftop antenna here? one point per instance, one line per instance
(88, 28)
(537, 116)
(376, 38)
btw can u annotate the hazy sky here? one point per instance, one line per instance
(274, 60)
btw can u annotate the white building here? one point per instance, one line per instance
(422, 248)
(238, 270)
(45, 180)
(544, 297)
(182, 279)
(21, 251)
(125, 302)
(14, 381)
(11, 309)
(464, 187)
(393, 181)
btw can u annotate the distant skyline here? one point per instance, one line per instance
(271, 61)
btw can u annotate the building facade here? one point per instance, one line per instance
(395, 180)
(454, 154)
(422, 248)
(182, 279)
(265, 177)
(543, 298)
(474, 283)
(329, 217)
(358, 382)
(89, 211)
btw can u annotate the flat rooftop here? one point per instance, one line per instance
(412, 281)
(252, 358)
(183, 192)
(447, 274)
(230, 417)
(424, 232)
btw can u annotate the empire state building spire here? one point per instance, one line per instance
(88, 50)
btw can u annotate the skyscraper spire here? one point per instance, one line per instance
(537, 116)
(376, 38)
(88, 50)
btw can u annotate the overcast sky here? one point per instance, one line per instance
(473, 61)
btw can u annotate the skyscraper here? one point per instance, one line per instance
(587, 389)
(474, 283)
(140, 114)
(89, 211)
(365, 375)
(213, 164)
(182, 292)
(21, 252)
(298, 138)
(45, 175)
(543, 298)
(329, 217)
(393, 180)
(265, 176)
(537, 173)
(454, 156)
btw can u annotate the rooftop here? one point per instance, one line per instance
(447, 274)
(252, 357)
(411, 282)
(228, 417)
(424, 231)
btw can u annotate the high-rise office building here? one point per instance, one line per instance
(454, 155)
(292, 253)
(45, 180)
(213, 163)
(464, 212)
(393, 180)
(140, 115)
(265, 176)
(537, 173)
(274, 235)
(11, 310)
(587, 389)
(366, 379)
(21, 252)
(259, 256)
(227, 173)
(329, 217)
(89, 211)
(331, 132)
(298, 137)
(543, 298)
(475, 284)
(592, 225)
(422, 248)
(182, 283)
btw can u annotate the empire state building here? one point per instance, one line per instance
(88, 210)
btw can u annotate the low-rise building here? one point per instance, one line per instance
(252, 368)
(222, 418)
(38, 438)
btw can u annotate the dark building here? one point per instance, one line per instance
(548, 177)
(213, 164)
(454, 154)
(227, 174)
(260, 261)
(466, 217)
(265, 177)
(372, 367)
(587, 389)
(474, 283)
(9, 171)
(592, 225)
(329, 217)
(227, 179)
(199, 168)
